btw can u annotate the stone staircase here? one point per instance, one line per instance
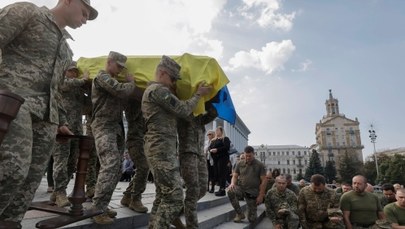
(213, 212)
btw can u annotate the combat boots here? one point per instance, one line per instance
(53, 197)
(103, 219)
(61, 199)
(90, 192)
(178, 224)
(111, 213)
(238, 218)
(126, 200)
(137, 206)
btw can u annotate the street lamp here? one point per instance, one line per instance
(373, 138)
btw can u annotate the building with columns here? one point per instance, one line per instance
(336, 134)
(238, 133)
(289, 159)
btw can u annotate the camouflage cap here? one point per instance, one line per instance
(93, 12)
(172, 67)
(118, 58)
(72, 66)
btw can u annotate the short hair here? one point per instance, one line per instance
(401, 190)
(318, 179)
(249, 149)
(281, 177)
(288, 176)
(387, 187)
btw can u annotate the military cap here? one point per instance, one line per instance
(72, 66)
(172, 67)
(93, 12)
(118, 58)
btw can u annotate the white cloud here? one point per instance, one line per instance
(303, 66)
(152, 27)
(268, 16)
(269, 59)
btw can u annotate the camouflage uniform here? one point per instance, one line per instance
(108, 99)
(276, 201)
(65, 154)
(313, 208)
(193, 166)
(135, 142)
(161, 109)
(93, 165)
(247, 173)
(35, 54)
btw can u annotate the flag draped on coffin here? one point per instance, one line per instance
(194, 70)
(224, 106)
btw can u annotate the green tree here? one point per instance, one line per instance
(330, 171)
(396, 170)
(349, 167)
(299, 176)
(314, 166)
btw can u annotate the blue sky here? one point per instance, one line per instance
(282, 57)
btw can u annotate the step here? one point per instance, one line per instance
(265, 224)
(261, 215)
(126, 218)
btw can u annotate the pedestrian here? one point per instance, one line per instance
(65, 154)
(135, 142)
(127, 168)
(35, 53)
(395, 212)
(161, 108)
(108, 97)
(317, 206)
(282, 205)
(193, 167)
(388, 194)
(251, 174)
(360, 208)
(210, 162)
(219, 149)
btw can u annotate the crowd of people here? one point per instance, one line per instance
(164, 138)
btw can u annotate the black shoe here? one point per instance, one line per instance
(221, 192)
(212, 190)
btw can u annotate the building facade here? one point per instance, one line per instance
(289, 159)
(336, 134)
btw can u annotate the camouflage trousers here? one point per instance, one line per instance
(234, 196)
(194, 171)
(138, 184)
(93, 168)
(169, 192)
(110, 148)
(24, 154)
(64, 163)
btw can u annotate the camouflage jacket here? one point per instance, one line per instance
(161, 108)
(35, 55)
(313, 207)
(136, 123)
(73, 99)
(108, 97)
(191, 132)
(276, 200)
